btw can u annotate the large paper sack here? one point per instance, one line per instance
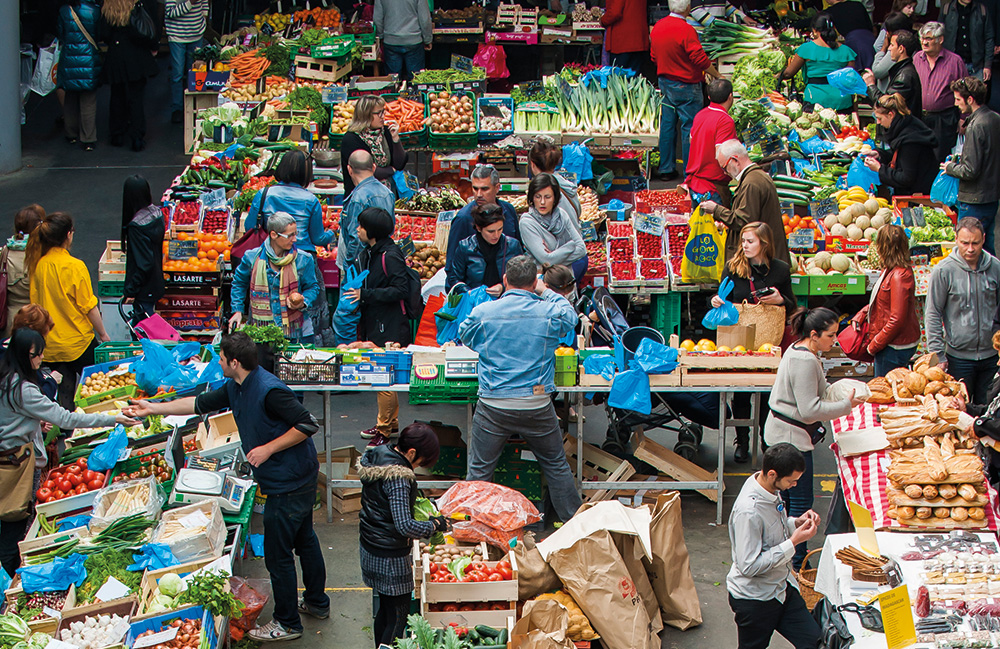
(593, 572)
(542, 625)
(670, 569)
(534, 576)
(632, 554)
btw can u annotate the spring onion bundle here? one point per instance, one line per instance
(626, 105)
(528, 119)
(722, 38)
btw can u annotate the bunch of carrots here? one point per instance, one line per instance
(408, 115)
(246, 68)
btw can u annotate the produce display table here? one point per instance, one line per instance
(713, 484)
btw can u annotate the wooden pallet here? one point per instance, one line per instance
(598, 465)
(710, 378)
(307, 67)
(672, 464)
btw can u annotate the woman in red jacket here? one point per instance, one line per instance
(627, 36)
(893, 323)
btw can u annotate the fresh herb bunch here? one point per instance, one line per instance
(208, 589)
(100, 566)
(307, 98)
(280, 57)
(270, 335)
(311, 37)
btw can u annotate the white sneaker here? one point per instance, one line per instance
(273, 631)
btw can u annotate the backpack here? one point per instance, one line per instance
(413, 304)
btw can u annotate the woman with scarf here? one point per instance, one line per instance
(480, 260)
(18, 285)
(278, 283)
(910, 164)
(369, 131)
(547, 232)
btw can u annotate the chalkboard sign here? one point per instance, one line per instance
(588, 231)
(462, 63)
(531, 87)
(648, 223)
(753, 135)
(771, 144)
(564, 86)
(406, 246)
(819, 209)
(182, 250)
(411, 94)
(447, 216)
(803, 238)
(334, 94)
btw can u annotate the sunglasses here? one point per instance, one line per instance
(36, 354)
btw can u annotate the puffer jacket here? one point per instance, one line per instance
(910, 165)
(892, 316)
(79, 61)
(468, 264)
(378, 531)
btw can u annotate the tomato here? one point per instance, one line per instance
(80, 489)
(94, 485)
(466, 607)
(82, 463)
(73, 469)
(55, 475)
(498, 606)
(495, 577)
(89, 475)
(99, 480)
(65, 485)
(505, 565)
(58, 494)
(450, 608)
(505, 572)
(43, 495)
(478, 566)
(434, 568)
(75, 479)
(49, 484)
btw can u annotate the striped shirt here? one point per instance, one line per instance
(185, 20)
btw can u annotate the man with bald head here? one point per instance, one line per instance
(368, 192)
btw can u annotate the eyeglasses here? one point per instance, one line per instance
(290, 237)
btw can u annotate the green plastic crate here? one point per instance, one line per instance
(530, 485)
(566, 363)
(117, 350)
(111, 289)
(456, 140)
(243, 517)
(512, 459)
(335, 47)
(452, 461)
(442, 390)
(411, 139)
(565, 378)
(135, 463)
(665, 313)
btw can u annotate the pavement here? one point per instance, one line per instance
(62, 177)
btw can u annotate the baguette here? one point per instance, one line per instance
(968, 492)
(947, 491)
(932, 454)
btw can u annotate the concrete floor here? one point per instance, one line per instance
(88, 185)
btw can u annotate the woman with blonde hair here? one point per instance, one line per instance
(131, 35)
(758, 278)
(25, 221)
(909, 164)
(369, 131)
(893, 323)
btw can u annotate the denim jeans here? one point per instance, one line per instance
(799, 500)
(889, 359)
(986, 213)
(288, 526)
(976, 375)
(345, 320)
(681, 102)
(181, 59)
(403, 60)
(492, 427)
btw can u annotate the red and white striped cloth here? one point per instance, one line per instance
(864, 476)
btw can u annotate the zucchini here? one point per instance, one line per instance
(487, 631)
(217, 184)
(472, 637)
(792, 179)
(503, 637)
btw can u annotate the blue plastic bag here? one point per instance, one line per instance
(184, 352)
(815, 144)
(157, 367)
(73, 522)
(630, 391)
(848, 82)
(603, 364)
(352, 279)
(105, 456)
(55, 576)
(578, 160)
(450, 318)
(861, 176)
(725, 315)
(153, 556)
(655, 358)
(256, 544)
(945, 189)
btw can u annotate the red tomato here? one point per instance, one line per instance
(498, 606)
(95, 484)
(80, 489)
(495, 577)
(450, 608)
(99, 479)
(43, 495)
(65, 485)
(49, 484)
(505, 572)
(55, 475)
(465, 607)
(89, 475)
(82, 463)
(58, 494)
(478, 566)
(75, 479)
(73, 469)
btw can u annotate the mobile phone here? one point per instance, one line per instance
(764, 292)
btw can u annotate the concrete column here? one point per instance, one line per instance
(10, 81)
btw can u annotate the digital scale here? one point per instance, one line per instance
(461, 363)
(196, 485)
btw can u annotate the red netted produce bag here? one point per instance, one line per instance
(473, 532)
(499, 507)
(253, 594)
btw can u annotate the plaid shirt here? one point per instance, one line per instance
(394, 575)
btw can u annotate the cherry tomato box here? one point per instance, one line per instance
(80, 495)
(496, 589)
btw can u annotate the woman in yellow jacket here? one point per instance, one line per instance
(60, 283)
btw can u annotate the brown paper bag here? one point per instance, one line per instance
(593, 572)
(542, 625)
(632, 554)
(738, 335)
(534, 576)
(670, 570)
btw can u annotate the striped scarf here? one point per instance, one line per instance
(260, 290)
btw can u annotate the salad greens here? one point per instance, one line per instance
(424, 510)
(746, 113)
(755, 74)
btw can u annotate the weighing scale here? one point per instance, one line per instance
(196, 485)
(461, 363)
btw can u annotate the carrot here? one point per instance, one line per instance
(407, 114)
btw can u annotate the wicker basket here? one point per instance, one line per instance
(768, 319)
(807, 581)
(872, 576)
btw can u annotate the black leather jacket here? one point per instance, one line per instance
(903, 78)
(378, 532)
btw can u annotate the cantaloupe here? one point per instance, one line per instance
(822, 259)
(839, 230)
(846, 217)
(854, 233)
(872, 206)
(863, 222)
(840, 262)
(816, 271)
(830, 221)
(870, 234)
(858, 209)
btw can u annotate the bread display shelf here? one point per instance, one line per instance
(940, 523)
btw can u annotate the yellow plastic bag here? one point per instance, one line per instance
(704, 252)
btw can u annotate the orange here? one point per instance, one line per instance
(225, 255)
(192, 260)
(202, 254)
(213, 254)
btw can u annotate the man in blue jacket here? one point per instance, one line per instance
(276, 435)
(516, 338)
(485, 187)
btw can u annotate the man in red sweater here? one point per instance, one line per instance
(627, 38)
(681, 65)
(712, 126)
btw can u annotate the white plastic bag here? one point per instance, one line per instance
(841, 389)
(43, 81)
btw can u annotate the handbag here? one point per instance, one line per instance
(143, 25)
(833, 630)
(816, 430)
(17, 483)
(253, 238)
(3, 288)
(768, 319)
(854, 340)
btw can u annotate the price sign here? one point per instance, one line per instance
(215, 199)
(588, 231)
(897, 618)
(649, 223)
(564, 86)
(182, 250)
(406, 246)
(447, 216)
(865, 528)
(412, 94)
(771, 144)
(531, 87)
(334, 94)
(819, 209)
(462, 63)
(803, 238)
(753, 135)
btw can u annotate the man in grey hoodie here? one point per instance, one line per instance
(961, 313)
(404, 26)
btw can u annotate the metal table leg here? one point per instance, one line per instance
(328, 442)
(579, 443)
(755, 423)
(722, 457)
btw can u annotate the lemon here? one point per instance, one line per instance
(740, 349)
(688, 345)
(766, 348)
(722, 348)
(707, 344)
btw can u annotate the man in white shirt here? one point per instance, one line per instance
(763, 592)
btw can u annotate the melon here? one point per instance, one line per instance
(846, 217)
(870, 234)
(840, 262)
(854, 233)
(878, 222)
(872, 206)
(859, 209)
(863, 222)
(822, 260)
(816, 271)
(830, 221)
(839, 230)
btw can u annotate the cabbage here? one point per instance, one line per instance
(794, 109)
(170, 585)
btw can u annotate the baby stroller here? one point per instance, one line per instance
(685, 413)
(153, 327)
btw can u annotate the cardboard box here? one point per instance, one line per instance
(736, 336)
(221, 436)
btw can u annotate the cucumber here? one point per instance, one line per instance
(801, 181)
(487, 631)
(220, 184)
(472, 636)
(503, 637)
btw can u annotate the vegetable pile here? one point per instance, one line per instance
(30, 606)
(427, 260)
(101, 566)
(432, 200)
(210, 589)
(464, 569)
(340, 116)
(99, 382)
(95, 632)
(449, 76)
(754, 75)
(407, 114)
(626, 105)
(453, 636)
(452, 113)
(155, 465)
(189, 635)
(579, 626)
(65, 481)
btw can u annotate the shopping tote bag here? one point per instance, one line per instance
(704, 252)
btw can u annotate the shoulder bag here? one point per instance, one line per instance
(3, 288)
(143, 25)
(256, 236)
(17, 483)
(83, 30)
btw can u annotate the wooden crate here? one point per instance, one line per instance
(45, 625)
(123, 607)
(347, 504)
(710, 378)
(730, 361)
(672, 464)
(672, 379)
(307, 67)
(495, 619)
(33, 543)
(149, 590)
(597, 465)
(418, 564)
(468, 592)
(111, 266)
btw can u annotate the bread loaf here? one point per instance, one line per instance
(897, 375)
(959, 513)
(881, 391)
(930, 492)
(905, 512)
(968, 492)
(941, 512)
(977, 513)
(914, 491)
(924, 512)
(947, 491)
